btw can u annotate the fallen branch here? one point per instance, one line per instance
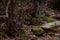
(7, 8)
(50, 25)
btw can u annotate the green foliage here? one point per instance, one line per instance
(49, 19)
(41, 16)
(35, 21)
(2, 34)
(38, 31)
(21, 33)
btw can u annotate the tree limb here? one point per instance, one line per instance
(7, 8)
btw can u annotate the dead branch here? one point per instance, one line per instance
(7, 8)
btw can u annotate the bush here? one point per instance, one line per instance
(21, 33)
(35, 21)
(41, 16)
(49, 19)
(38, 19)
(37, 31)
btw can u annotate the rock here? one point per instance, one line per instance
(50, 25)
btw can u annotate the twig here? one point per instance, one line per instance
(7, 8)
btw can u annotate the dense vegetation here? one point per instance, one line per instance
(22, 19)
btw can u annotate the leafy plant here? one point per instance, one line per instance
(38, 31)
(21, 33)
(35, 21)
(41, 16)
(49, 19)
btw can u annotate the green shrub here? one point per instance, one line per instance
(41, 16)
(35, 21)
(49, 19)
(21, 33)
(37, 31)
